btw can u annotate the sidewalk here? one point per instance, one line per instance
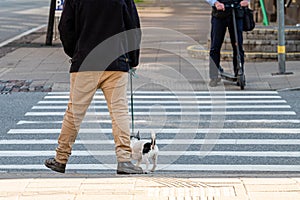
(40, 68)
(147, 187)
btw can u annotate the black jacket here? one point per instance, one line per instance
(87, 24)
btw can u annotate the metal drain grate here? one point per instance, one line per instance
(177, 188)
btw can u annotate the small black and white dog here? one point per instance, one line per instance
(142, 150)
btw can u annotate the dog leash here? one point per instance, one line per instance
(132, 74)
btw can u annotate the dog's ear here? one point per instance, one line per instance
(138, 135)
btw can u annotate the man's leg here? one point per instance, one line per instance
(218, 30)
(114, 87)
(83, 86)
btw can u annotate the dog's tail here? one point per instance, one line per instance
(153, 139)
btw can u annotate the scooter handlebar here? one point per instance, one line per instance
(235, 5)
(232, 5)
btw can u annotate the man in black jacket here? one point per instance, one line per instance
(102, 38)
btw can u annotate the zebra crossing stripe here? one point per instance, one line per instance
(167, 141)
(179, 97)
(278, 168)
(268, 121)
(173, 167)
(173, 113)
(172, 107)
(161, 153)
(265, 121)
(184, 92)
(172, 131)
(244, 102)
(84, 121)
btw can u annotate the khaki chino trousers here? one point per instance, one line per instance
(83, 86)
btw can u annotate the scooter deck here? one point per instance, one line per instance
(228, 77)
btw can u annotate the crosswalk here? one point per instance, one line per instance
(231, 131)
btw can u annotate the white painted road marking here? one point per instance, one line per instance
(242, 103)
(161, 153)
(173, 113)
(171, 131)
(173, 167)
(167, 141)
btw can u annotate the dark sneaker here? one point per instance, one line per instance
(55, 166)
(214, 82)
(128, 168)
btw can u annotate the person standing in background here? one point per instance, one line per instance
(221, 20)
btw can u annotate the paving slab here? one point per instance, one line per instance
(274, 195)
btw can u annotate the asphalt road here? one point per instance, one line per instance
(19, 16)
(266, 140)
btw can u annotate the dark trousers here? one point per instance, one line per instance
(218, 31)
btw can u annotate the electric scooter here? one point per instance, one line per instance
(240, 78)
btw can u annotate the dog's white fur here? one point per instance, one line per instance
(138, 146)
